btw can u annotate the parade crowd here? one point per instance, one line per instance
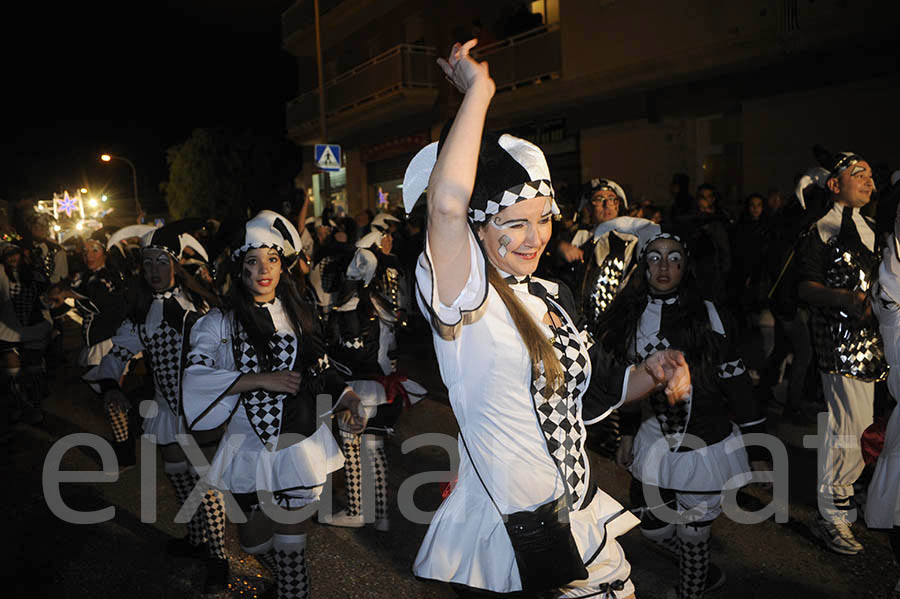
(556, 315)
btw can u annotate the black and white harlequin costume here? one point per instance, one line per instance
(23, 334)
(525, 440)
(842, 251)
(666, 451)
(255, 457)
(161, 335)
(101, 308)
(364, 328)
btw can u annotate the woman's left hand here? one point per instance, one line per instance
(352, 416)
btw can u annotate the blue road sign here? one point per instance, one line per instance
(328, 157)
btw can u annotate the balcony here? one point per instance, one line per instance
(525, 59)
(398, 83)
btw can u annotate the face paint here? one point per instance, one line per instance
(504, 241)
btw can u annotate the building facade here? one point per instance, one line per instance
(730, 93)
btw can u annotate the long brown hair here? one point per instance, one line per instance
(539, 347)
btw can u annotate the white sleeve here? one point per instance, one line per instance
(468, 305)
(210, 373)
(126, 345)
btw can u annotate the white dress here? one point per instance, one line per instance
(487, 371)
(243, 464)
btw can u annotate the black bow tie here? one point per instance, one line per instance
(173, 313)
(534, 287)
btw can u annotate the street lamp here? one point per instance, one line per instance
(107, 158)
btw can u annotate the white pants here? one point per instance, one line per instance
(850, 411)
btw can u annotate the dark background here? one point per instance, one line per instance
(132, 78)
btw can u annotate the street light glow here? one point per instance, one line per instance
(105, 157)
(92, 203)
(83, 190)
(57, 228)
(104, 197)
(80, 226)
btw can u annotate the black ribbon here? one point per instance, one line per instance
(535, 288)
(173, 313)
(849, 234)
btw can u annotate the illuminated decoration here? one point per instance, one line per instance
(67, 204)
(382, 198)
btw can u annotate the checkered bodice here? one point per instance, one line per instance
(164, 346)
(264, 408)
(558, 410)
(649, 339)
(23, 297)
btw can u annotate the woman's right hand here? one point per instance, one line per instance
(280, 381)
(463, 71)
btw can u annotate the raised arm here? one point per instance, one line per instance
(453, 177)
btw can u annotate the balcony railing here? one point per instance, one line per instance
(402, 67)
(525, 58)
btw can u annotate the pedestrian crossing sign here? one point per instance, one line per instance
(328, 157)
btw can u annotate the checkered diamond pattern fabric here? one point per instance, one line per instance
(843, 344)
(729, 370)
(558, 411)
(201, 359)
(293, 578)
(602, 285)
(649, 344)
(525, 191)
(672, 419)
(352, 471)
(163, 347)
(122, 354)
(264, 409)
(23, 300)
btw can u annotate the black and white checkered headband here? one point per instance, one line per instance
(525, 191)
(671, 236)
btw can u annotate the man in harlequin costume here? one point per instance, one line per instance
(364, 331)
(168, 304)
(839, 257)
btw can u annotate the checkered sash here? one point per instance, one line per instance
(557, 409)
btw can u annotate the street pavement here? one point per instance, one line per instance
(123, 557)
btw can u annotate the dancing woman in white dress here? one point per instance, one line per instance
(518, 370)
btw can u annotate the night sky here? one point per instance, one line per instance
(132, 78)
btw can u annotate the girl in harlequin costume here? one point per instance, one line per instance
(364, 332)
(261, 367)
(522, 380)
(168, 303)
(662, 308)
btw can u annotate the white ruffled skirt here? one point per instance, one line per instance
(467, 543)
(161, 427)
(243, 465)
(714, 468)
